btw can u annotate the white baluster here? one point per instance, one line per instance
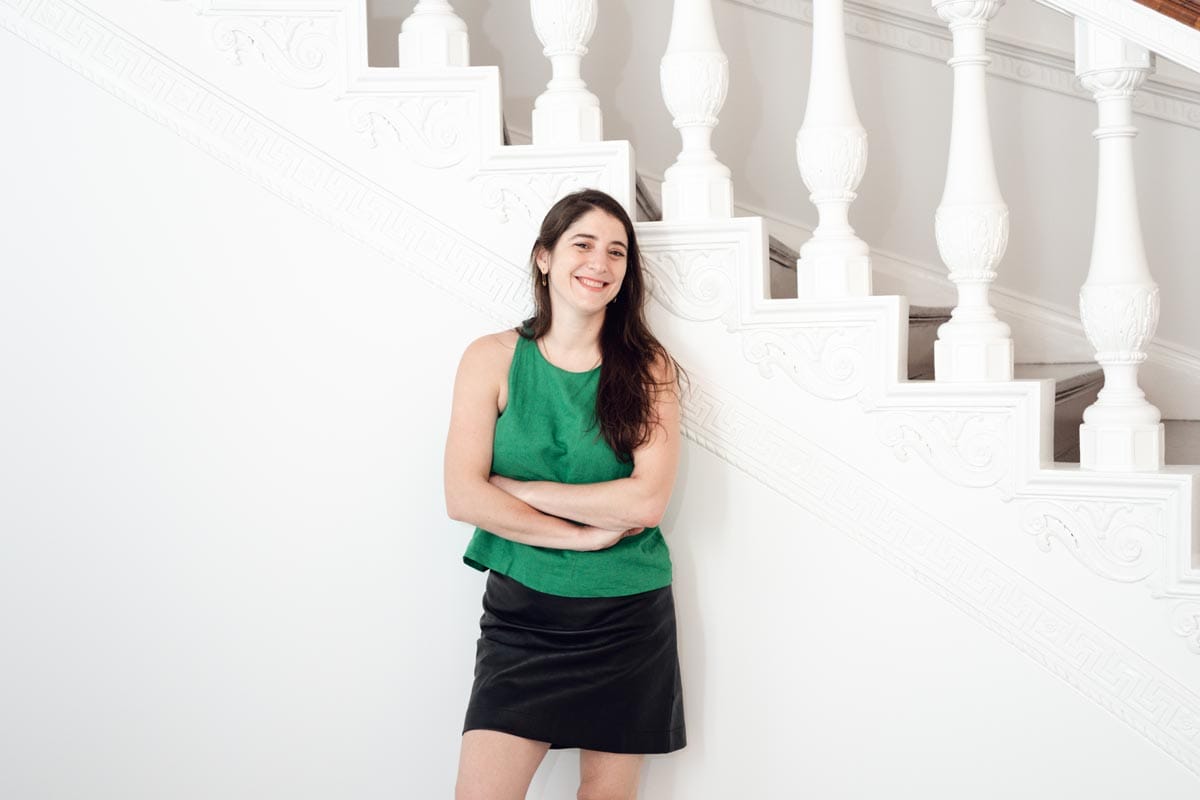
(831, 149)
(566, 113)
(434, 36)
(694, 74)
(1118, 302)
(971, 224)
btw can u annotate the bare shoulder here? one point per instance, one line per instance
(490, 355)
(492, 346)
(664, 370)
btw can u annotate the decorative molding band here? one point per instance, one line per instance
(1051, 633)
(911, 33)
(262, 151)
(951, 566)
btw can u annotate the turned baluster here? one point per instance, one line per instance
(971, 224)
(831, 149)
(1118, 302)
(694, 74)
(433, 36)
(566, 113)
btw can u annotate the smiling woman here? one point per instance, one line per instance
(562, 451)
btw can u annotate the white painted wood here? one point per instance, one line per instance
(566, 112)
(971, 224)
(930, 505)
(1138, 24)
(1119, 301)
(694, 74)
(831, 149)
(433, 36)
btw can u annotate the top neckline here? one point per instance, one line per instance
(537, 348)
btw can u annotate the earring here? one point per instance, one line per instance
(544, 281)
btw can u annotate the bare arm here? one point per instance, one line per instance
(638, 501)
(468, 461)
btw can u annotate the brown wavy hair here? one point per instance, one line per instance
(628, 351)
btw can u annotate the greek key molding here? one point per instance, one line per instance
(1120, 541)
(1160, 98)
(954, 568)
(264, 152)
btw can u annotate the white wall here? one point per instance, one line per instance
(225, 569)
(1045, 156)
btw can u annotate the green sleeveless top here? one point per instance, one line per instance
(548, 432)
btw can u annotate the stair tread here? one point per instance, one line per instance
(1067, 376)
(927, 313)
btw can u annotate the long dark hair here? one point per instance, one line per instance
(628, 388)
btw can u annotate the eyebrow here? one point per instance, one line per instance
(617, 242)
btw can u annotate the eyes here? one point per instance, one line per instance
(615, 252)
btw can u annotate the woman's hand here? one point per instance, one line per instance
(592, 538)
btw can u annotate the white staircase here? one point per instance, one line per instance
(952, 480)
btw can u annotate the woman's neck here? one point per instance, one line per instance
(573, 343)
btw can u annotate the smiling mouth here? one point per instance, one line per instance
(591, 284)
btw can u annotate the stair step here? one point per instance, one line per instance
(923, 322)
(1075, 384)
(1075, 388)
(1183, 441)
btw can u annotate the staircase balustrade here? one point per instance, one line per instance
(1118, 303)
(971, 223)
(831, 149)
(694, 74)
(433, 36)
(566, 113)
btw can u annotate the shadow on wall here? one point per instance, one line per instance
(383, 27)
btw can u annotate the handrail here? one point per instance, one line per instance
(1185, 11)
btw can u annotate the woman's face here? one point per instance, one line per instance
(587, 264)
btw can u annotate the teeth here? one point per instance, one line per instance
(589, 282)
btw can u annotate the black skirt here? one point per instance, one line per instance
(598, 673)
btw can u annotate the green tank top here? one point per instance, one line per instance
(548, 432)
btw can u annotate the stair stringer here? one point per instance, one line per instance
(438, 129)
(749, 435)
(991, 436)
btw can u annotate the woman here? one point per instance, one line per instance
(563, 448)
